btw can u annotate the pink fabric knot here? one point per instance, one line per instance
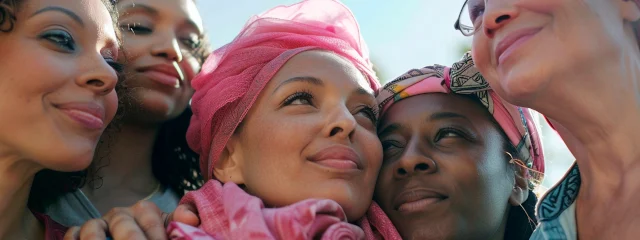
(228, 212)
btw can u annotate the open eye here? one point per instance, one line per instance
(61, 38)
(299, 98)
(449, 133)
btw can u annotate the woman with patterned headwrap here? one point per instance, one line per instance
(459, 162)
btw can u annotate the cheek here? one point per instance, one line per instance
(277, 138)
(133, 47)
(111, 106)
(369, 144)
(481, 54)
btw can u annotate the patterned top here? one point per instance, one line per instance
(557, 209)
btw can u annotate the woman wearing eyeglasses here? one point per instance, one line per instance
(577, 62)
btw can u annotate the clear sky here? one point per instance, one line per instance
(401, 34)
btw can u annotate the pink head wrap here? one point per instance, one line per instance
(464, 78)
(235, 74)
(461, 78)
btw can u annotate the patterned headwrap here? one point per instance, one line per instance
(464, 78)
(461, 78)
(235, 74)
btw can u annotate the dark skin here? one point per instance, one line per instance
(445, 173)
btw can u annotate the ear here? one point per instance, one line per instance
(629, 9)
(520, 191)
(229, 166)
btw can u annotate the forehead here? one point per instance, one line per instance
(329, 67)
(417, 109)
(174, 9)
(93, 13)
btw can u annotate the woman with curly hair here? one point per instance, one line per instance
(145, 157)
(52, 117)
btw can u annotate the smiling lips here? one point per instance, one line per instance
(512, 41)
(338, 157)
(416, 200)
(164, 74)
(87, 115)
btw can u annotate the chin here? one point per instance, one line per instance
(154, 106)
(522, 84)
(67, 159)
(354, 202)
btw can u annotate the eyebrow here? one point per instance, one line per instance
(145, 8)
(65, 11)
(154, 12)
(446, 115)
(306, 79)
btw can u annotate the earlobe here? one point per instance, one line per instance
(520, 191)
(629, 9)
(228, 167)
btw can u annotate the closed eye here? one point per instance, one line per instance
(136, 29)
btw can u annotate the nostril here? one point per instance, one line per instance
(401, 171)
(502, 18)
(96, 83)
(421, 167)
(335, 131)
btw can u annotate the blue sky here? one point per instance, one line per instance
(401, 35)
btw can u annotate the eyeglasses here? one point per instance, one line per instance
(464, 23)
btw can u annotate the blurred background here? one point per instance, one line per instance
(400, 35)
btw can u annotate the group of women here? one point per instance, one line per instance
(295, 137)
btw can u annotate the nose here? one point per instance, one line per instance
(497, 14)
(414, 161)
(100, 78)
(341, 124)
(167, 46)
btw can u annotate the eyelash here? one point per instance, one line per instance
(306, 95)
(444, 131)
(118, 67)
(136, 28)
(300, 95)
(372, 113)
(61, 38)
(386, 144)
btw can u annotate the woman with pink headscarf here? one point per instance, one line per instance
(284, 119)
(459, 162)
(578, 63)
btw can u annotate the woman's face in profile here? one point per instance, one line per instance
(525, 48)
(57, 84)
(160, 40)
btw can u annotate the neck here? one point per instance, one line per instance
(16, 177)
(122, 164)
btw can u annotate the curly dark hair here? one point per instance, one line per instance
(49, 184)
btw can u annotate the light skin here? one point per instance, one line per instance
(56, 114)
(308, 110)
(581, 69)
(158, 35)
(445, 173)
